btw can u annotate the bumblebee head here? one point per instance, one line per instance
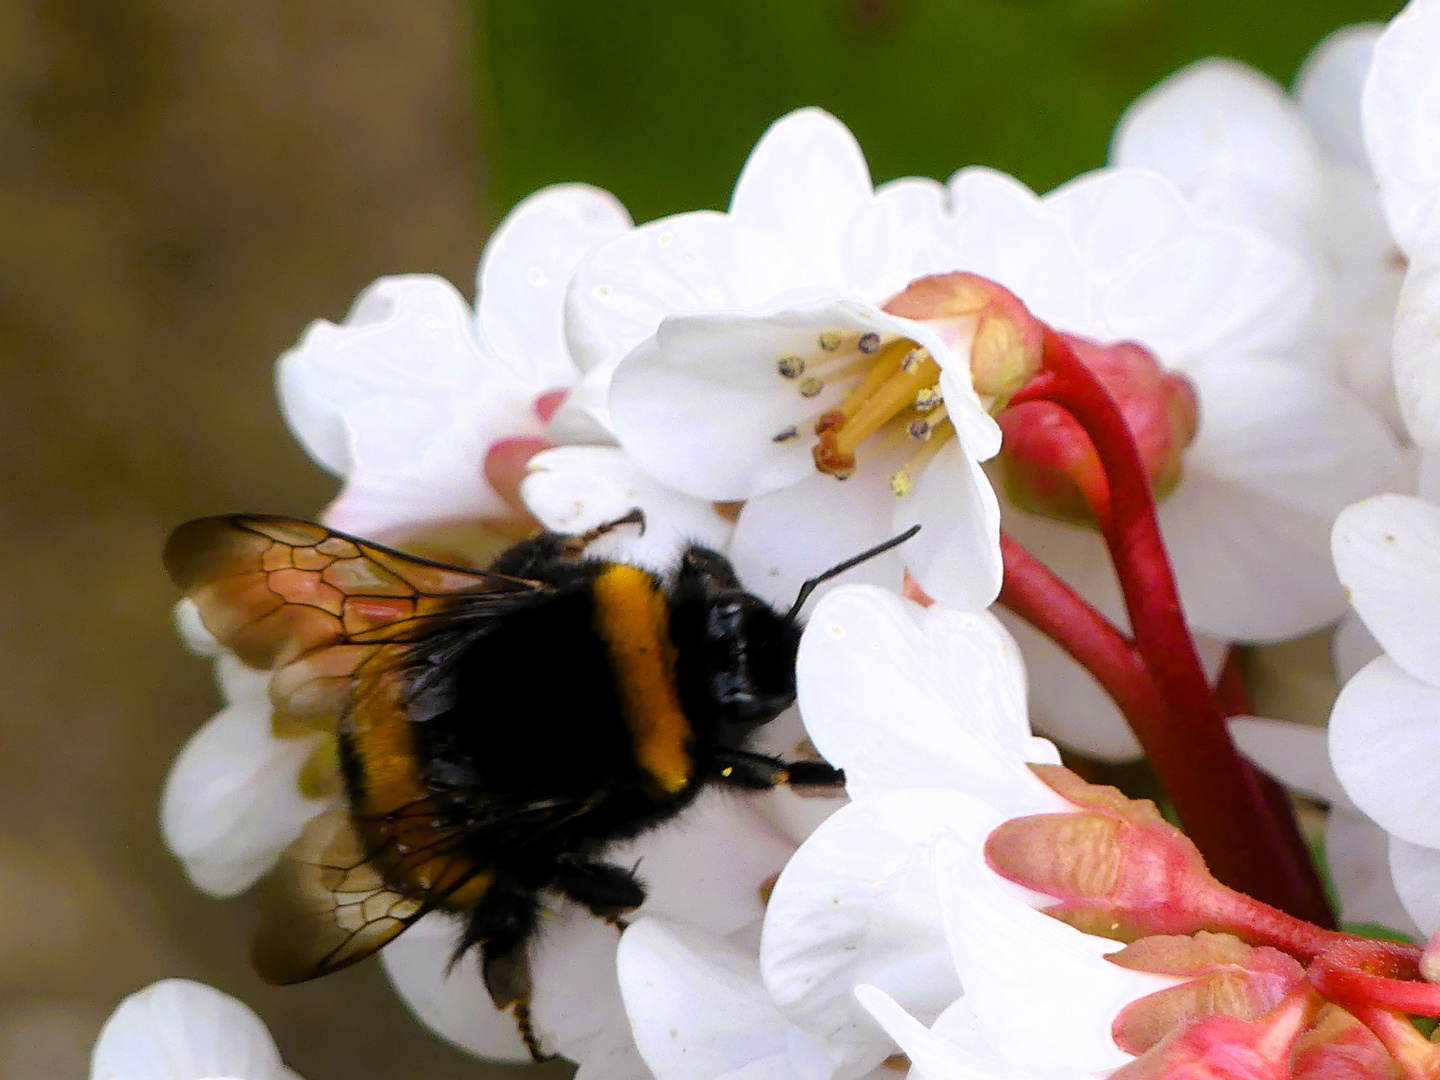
(752, 651)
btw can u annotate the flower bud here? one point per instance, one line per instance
(1048, 464)
(1227, 978)
(1339, 1047)
(1120, 870)
(979, 319)
(1224, 1048)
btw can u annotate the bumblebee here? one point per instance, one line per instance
(496, 729)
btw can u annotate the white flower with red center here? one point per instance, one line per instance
(182, 1030)
(727, 354)
(1276, 451)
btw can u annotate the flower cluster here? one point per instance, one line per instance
(1129, 414)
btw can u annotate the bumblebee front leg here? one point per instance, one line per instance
(757, 772)
(576, 545)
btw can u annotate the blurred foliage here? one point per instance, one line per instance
(659, 101)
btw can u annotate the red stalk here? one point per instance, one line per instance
(1218, 796)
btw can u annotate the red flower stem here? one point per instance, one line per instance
(1034, 593)
(1234, 699)
(1381, 974)
(1217, 795)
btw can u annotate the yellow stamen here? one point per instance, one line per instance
(924, 427)
(903, 480)
(885, 401)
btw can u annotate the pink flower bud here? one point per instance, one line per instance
(1229, 978)
(1224, 1048)
(1121, 871)
(1339, 1047)
(982, 320)
(1048, 464)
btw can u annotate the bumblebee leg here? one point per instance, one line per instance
(576, 545)
(503, 928)
(609, 891)
(755, 771)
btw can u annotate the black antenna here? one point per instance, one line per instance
(878, 549)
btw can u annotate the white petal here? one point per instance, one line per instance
(1416, 870)
(1283, 431)
(686, 264)
(786, 537)
(1400, 109)
(1297, 755)
(1016, 963)
(578, 1011)
(902, 696)
(1357, 854)
(857, 905)
(1003, 232)
(1385, 747)
(574, 488)
(1387, 553)
(193, 634)
(182, 1030)
(1417, 338)
(708, 866)
(956, 555)
(451, 1000)
(401, 401)
(231, 803)
(700, 1012)
(1328, 88)
(1249, 568)
(1066, 703)
(803, 183)
(701, 405)
(1352, 647)
(900, 235)
(1178, 285)
(1231, 140)
(524, 272)
(935, 1057)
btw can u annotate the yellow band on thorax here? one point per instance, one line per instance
(632, 619)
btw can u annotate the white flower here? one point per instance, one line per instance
(712, 343)
(925, 710)
(705, 872)
(1384, 739)
(182, 1030)
(1401, 114)
(411, 394)
(233, 800)
(1279, 449)
(1356, 849)
(1245, 152)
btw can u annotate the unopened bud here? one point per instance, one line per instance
(1224, 1048)
(1048, 461)
(1226, 977)
(1339, 1047)
(1120, 871)
(981, 320)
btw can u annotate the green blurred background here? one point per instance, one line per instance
(185, 183)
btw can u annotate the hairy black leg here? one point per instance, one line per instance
(502, 926)
(749, 770)
(609, 891)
